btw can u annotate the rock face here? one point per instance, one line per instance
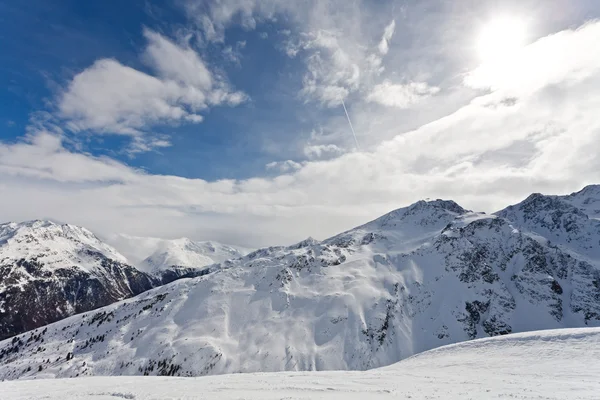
(417, 278)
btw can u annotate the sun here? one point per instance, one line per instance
(500, 38)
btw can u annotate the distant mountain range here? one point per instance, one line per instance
(417, 278)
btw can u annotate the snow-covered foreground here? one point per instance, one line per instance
(557, 364)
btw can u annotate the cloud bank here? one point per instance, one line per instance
(530, 125)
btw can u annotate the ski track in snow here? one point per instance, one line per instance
(553, 365)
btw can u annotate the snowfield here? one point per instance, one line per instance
(554, 365)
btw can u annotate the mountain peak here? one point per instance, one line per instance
(448, 205)
(537, 203)
(309, 241)
(56, 243)
(587, 200)
(187, 253)
(423, 212)
(589, 190)
(37, 223)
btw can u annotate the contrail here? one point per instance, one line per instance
(351, 127)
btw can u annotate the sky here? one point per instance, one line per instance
(224, 120)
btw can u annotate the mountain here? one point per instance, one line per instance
(170, 259)
(418, 278)
(587, 200)
(562, 364)
(187, 253)
(50, 271)
(153, 254)
(558, 221)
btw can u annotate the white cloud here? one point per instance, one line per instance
(180, 64)
(332, 74)
(42, 156)
(533, 132)
(233, 54)
(112, 98)
(570, 53)
(109, 97)
(401, 95)
(142, 144)
(384, 44)
(214, 17)
(340, 41)
(283, 166)
(322, 151)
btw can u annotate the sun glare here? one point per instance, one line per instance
(500, 38)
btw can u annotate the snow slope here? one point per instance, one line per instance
(153, 254)
(415, 279)
(553, 365)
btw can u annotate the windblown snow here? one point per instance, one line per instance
(553, 365)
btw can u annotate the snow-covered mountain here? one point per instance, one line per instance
(153, 254)
(187, 253)
(417, 278)
(558, 221)
(587, 200)
(561, 364)
(50, 271)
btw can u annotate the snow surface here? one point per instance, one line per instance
(552, 365)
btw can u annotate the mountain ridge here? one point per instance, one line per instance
(50, 270)
(417, 278)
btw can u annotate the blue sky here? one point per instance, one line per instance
(223, 119)
(48, 43)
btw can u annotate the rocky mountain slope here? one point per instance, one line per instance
(566, 367)
(586, 200)
(50, 271)
(415, 279)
